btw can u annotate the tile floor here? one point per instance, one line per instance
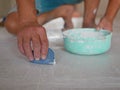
(72, 72)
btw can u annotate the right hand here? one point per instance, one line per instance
(35, 34)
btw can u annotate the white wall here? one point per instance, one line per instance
(5, 6)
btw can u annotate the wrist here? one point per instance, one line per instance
(27, 24)
(107, 18)
(27, 20)
(23, 23)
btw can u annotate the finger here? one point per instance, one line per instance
(20, 44)
(99, 26)
(27, 48)
(36, 47)
(44, 43)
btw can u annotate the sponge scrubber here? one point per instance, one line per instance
(49, 59)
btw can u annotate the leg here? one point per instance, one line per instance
(11, 22)
(91, 7)
(2, 22)
(107, 20)
(64, 11)
(76, 13)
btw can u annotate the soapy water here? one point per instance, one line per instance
(84, 35)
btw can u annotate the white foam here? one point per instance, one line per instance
(80, 35)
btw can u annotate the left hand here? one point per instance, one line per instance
(105, 24)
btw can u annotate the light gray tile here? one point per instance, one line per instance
(72, 72)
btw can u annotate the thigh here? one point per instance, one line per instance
(48, 5)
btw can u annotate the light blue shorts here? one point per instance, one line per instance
(47, 5)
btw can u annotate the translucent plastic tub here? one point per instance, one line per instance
(87, 41)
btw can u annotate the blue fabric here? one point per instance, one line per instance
(47, 5)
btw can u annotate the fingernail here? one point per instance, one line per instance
(43, 57)
(37, 58)
(31, 59)
(97, 28)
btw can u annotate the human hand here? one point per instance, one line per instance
(35, 34)
(105, 24)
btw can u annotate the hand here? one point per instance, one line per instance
(35, 34)
(105, 24)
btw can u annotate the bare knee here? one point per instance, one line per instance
(65, 10)
(11, 22)
(69, 9)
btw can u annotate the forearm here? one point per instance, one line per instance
(91, 7)
(112, 9)
(26, 10)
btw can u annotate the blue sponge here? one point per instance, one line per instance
(49, 59)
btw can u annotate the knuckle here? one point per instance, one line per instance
(45, 44)
(36, 46)
(19, 46)
(26, 45)
(42, 29)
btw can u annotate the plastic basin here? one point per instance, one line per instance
(87, 41)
